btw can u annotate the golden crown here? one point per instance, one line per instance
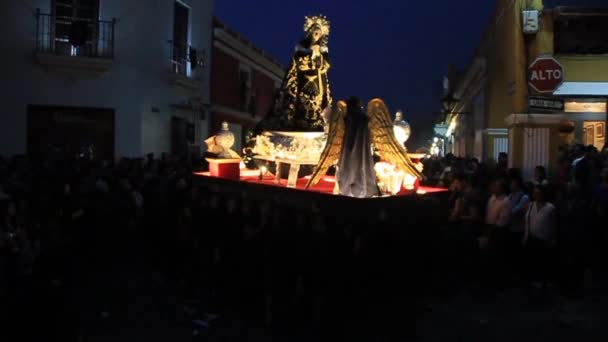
(317, 20)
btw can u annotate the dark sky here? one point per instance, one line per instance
(395, 50)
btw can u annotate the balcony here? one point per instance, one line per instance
(74, 43)
(187, 63)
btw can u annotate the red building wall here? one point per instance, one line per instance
(225, 86)
(264, 89)
(219, 117)
(224, 79)
(226, 92)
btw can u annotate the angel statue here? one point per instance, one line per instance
(304, 92)
(352, 134)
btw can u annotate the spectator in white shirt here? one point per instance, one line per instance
(498, 214)
(539, 237)
(493, 240)
(498, 211)
(540, 220)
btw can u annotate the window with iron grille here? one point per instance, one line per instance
(75, 24)
(73, 28)
(181, 49)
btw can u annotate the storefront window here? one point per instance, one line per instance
(594, 133)
(584, 107)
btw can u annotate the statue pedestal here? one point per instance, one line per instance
(294, 168)
(228, 168)
(292, 148)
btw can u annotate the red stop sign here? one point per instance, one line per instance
(545, 74)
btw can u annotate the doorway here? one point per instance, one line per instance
(70, 132)
(594, 133)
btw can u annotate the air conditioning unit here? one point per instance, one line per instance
(530, 19)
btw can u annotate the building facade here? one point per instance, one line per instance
(244, 81)
(577, 38)
(109, 77)
(496, 108)
(463, 130)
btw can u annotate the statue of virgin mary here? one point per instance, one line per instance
(305, 91)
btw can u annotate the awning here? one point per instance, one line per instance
(582, 89)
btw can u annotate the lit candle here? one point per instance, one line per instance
(262, 172)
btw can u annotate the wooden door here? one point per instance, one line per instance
(70, 132)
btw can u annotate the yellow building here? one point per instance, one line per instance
(497, 110)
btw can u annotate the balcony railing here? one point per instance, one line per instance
(186, 59)
(77, 37)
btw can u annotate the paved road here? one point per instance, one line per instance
(155, 313)
(146, 307)
(509, 318)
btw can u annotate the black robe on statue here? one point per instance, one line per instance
(356, 175)
(304, 94)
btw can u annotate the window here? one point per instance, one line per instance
(237, 130)
(585, 107)
(181, 15)
(252, 105)
(581, 34)
(80, 9)
(593, 134)
(75, 26)
(245, 87)
(180, 23)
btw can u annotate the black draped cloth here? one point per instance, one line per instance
(356, 175)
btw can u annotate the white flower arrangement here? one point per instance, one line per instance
(306, 146)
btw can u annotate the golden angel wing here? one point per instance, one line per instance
(383, 138)
(333, 146)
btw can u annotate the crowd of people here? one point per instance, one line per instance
(511, 228)
(261, 265)
(257, 264)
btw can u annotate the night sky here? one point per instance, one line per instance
(395, 50)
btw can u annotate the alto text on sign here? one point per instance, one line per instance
(545, 74)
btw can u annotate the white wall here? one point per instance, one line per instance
(136, 82)
(536, 150)
(501, 144)
(479, 114)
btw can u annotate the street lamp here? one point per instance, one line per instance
(449, 103)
